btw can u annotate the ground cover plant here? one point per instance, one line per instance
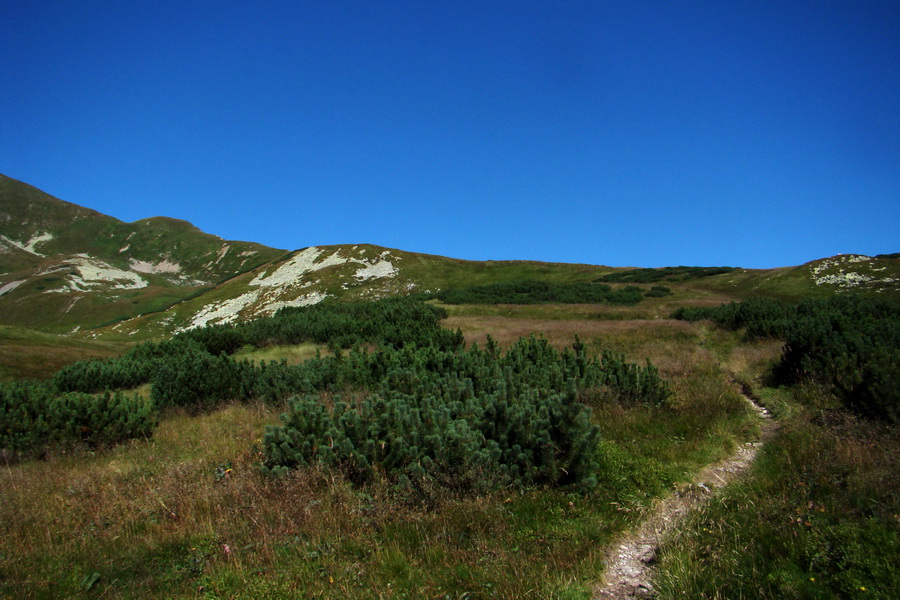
(817, 516)
(850, 344)
(541, 292)
(664, 274)
(188, 509)
(194, 371)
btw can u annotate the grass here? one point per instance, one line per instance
(186, 513)
(817, 518)
(27, 354)
(294, 354)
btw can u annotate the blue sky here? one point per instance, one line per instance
(754, 134)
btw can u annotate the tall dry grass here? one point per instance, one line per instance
(186, 513)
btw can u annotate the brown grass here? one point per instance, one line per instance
(506, 330)
(154, 517)
(189, 508)
(26, 361)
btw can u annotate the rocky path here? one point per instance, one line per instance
(630, 561)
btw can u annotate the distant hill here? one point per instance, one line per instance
(67, 269)
(63, 266)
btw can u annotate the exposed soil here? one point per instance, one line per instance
(630, 560)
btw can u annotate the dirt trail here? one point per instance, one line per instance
(631, 559)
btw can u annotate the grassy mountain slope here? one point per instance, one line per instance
(26, 354)
(63, 266)
(188, 511)
(364, 271)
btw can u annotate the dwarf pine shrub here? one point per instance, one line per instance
(477, 443)
(540, 292)
(467, 419)
(849, 343)
(35, 418)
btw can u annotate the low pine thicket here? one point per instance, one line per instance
(541, 292)
(849, 344)
(663, 274)
(36, 416)
(420, 409)
(470, 418)
(817, 515)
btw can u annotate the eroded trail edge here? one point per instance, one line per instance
(630, 560)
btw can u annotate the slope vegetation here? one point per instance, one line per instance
(63, 266)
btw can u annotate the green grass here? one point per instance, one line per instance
(294, 354)
(28, 211)
(153, 518)
(28, 354)
(187, 514)
(817, 518)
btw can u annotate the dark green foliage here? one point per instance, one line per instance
(539, 292)
(853, 345)
(126, 372)
(763, 317)
(663, 274)
(430, 409)
(478, 442)
(658, 291)
(529, 364)
(35, 418)
(850, 343)
(391, 322)
(461, 417)
(196, 380)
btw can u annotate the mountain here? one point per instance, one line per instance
(65, 268)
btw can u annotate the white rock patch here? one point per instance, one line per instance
(831, 271)
(30, 244)
(10, 286)
(380, 269)
(38, 239)
(225, 311)
(285, 285)
(307, 300)
(164, 266)
(93, 273)
(72, 303)
(305, 261)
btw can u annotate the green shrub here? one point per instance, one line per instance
(658, 291)
(849, 343)
(540, 292)
(663, 274)
(461, 418)
(478, 443)
(35, 418)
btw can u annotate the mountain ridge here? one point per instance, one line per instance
(65, 268)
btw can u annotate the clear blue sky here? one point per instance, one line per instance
(629, 133)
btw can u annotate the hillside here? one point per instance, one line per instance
(515, 429)
(68, 269)
(64, 267)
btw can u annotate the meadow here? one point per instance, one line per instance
(187, 511)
